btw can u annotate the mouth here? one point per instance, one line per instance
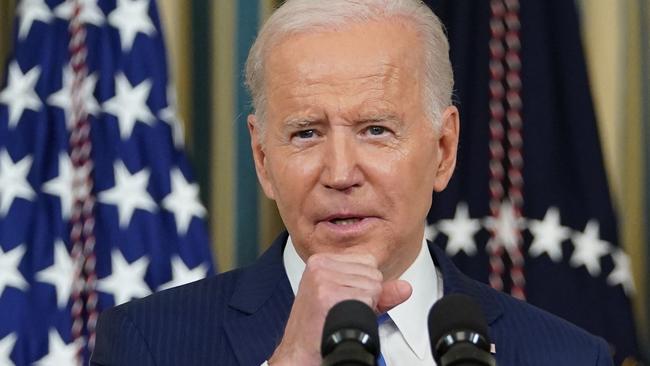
(344, 218)
(345, 221)
(347, 224)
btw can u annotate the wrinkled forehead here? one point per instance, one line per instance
(366, 70)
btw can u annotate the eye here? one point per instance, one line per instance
(305, 134)
(376, 130)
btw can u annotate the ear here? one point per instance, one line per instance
(259, 156)
(447, 141)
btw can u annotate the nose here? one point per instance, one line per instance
(341, 168)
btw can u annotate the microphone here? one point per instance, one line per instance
(350, 335)
(458, 333)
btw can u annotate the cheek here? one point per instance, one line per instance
(292, 178)
(412, 166)
(407, 177)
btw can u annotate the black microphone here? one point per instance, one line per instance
(350, 335)
(458, 333)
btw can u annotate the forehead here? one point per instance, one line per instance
(383, 58)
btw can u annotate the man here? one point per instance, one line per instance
(353, 129)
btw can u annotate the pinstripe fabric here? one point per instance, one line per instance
(237, 318)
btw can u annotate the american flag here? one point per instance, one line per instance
(97, 202)
(528, 209)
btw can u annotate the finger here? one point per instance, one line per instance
(351, 293)
(326, 282)
(393, 293)
(345, 266)
(372, 285)
(331, 295)
(359, 258)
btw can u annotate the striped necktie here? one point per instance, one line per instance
(380, 320)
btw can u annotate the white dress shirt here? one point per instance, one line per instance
(404, 337)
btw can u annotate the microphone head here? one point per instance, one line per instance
(350, 320)
(455, 319)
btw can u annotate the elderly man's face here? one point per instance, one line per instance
(349, 154)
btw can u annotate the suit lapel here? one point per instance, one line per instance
(259, 307)
(456, 282)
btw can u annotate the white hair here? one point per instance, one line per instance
(302, 16)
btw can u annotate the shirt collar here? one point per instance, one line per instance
(293, 264)
(411, 316)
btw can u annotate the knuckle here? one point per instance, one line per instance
(376, 288)
(317, 261)
(368, 300)
(322, 295)
(377, 275)
(313, 261)
(370, 260)
(319, 276)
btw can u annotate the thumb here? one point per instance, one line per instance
(393, 293)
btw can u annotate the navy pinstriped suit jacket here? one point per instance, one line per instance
(238, 317)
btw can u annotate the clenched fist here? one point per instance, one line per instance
(329, 279)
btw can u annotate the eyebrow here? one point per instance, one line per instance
(306, 122)
(379, 118)
(299, 122)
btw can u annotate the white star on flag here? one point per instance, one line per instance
(19, 93)
(61, 185)
(126, 281)
(506, 226)
(60, 274)
(63, 97)
(588, 248)
(129, 193)
(169, 115)
(130, 18)
(181, 274)
(13, 181)
(10, 274)
(59, 353)
(6, 346)
(460, 231)
(29, 11)
(621, 275)
(90, 11)
(129, 105)
(548, 235)
(183, 201)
